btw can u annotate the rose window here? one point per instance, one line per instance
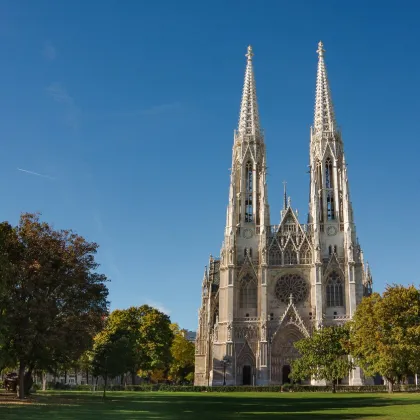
(291, 284)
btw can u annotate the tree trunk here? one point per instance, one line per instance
(65, 377)
(21, 393)
(133, 378)
(44, 381)
(29, 381)
(390, 387)
(105, 383)
(333, 387)
(87, 376)
(75, 376)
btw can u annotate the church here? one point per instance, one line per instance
(274, 284)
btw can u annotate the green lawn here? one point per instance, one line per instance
(211, 406)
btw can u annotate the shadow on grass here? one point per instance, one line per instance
(168, 406)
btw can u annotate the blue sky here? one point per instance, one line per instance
(128, 109)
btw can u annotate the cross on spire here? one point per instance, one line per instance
(324, 120)
(249, 120)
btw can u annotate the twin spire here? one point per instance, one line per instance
(249, 121)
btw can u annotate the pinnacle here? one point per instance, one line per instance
(249, 121)
(249, 53)
(324, 120)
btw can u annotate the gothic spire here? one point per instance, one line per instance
(324, 120)
(249, 121)
(285, 195)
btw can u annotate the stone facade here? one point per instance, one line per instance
(273, 284)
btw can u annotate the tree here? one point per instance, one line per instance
(150, 336)
(385, 333)
(53, 300)
(183, 355)
(110, 355)
(323, 356)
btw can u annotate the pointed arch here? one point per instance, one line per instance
(284, 351)
(305, 254)
(274, 255)
(328, 173)
(245, 365)
(289, 254)
(249, 190)
(334, 290)
(248, 292)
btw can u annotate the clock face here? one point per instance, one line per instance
(331, 230)
(247, 233)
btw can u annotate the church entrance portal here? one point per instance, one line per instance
(283, 352)
(286, 373)
(246, 375)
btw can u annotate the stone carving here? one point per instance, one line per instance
(229, 332)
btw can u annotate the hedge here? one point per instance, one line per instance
(267, 388)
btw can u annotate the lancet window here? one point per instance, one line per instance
(328, 174)
(248, 292)
(335, 290)
(275, 256)
(330, 206)
(249, 193)
(319, 187)
(290, 256)
(305, 255)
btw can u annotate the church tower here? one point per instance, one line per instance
(273, 284)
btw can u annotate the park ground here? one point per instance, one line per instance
(210, 406)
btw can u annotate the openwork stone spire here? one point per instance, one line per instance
(249, 121)
(324, 120)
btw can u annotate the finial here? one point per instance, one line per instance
(249, 54)
(285, 195)
(291, 298)
(320, 49)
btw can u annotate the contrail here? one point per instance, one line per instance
(35, 173)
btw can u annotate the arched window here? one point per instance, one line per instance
(335, 290)
(305, 255)
(328, 174)
(248, 192)
(275, 256)
(290, 256)
(330, 206)
(248, 292)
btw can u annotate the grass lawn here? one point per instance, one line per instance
(210, 406)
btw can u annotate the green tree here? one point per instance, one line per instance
(53, 300)
(149, 332)
(183, 355)
(110, 356)
(385, 333)
(324, 356)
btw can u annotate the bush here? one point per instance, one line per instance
(261, 388)
(36, 387)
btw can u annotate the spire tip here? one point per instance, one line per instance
(320, 49)
(285, 195)
(249, 53)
